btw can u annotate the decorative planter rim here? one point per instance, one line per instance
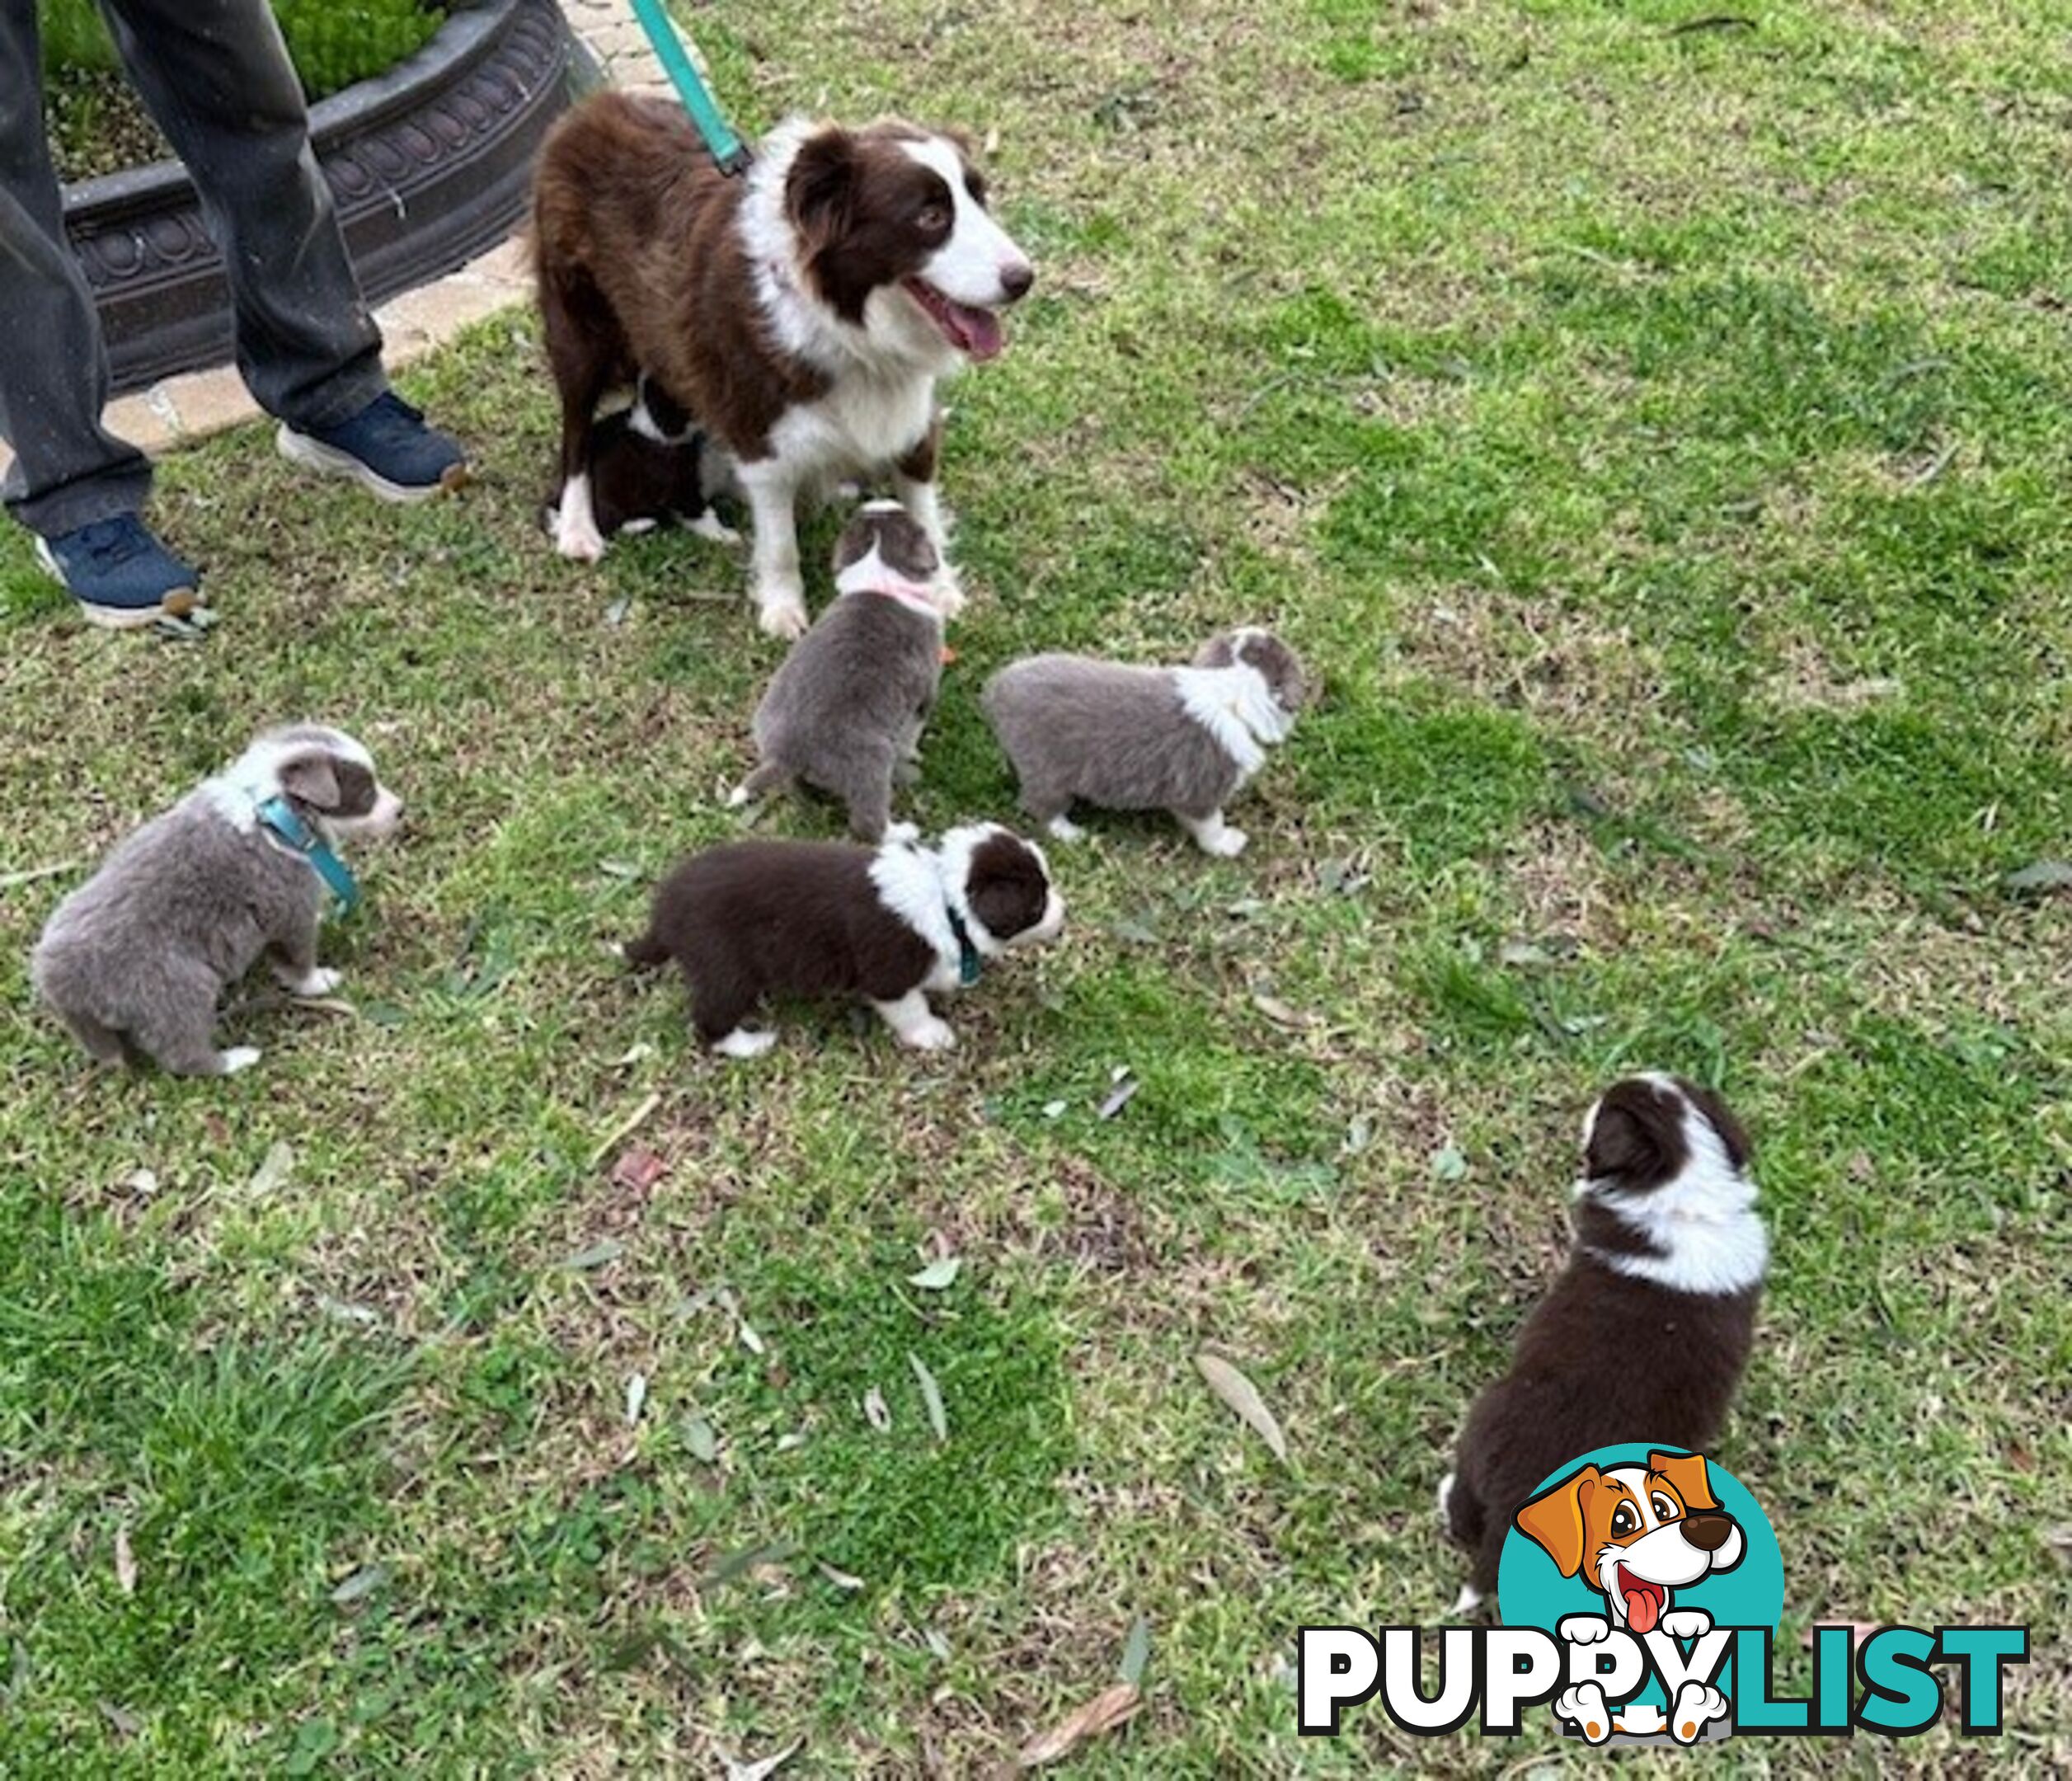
(467, 32)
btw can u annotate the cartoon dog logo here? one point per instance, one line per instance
(1635, 1535)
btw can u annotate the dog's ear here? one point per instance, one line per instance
(821, 185)
(1636, 1136)
(1555, 1521)
(1219, 651)
(311, 779)
(1006, 888)
(1687, 1471)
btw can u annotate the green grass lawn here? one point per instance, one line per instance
(1657, 440)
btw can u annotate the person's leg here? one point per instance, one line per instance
(69, 472)
(216, 76)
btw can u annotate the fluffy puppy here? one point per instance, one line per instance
(845, 711)
(650, 467)
(1643, 1335)
(894, 924)
(137, 958)
(1183, 739)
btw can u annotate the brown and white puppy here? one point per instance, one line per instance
(802, 313)
(1643, 1335)
(845, 711)
(894, 924)
(649, 468)
(137, 958)
(1183, 739)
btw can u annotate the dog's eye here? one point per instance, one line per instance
(1623, 1520)
(934, 220)
(1665, 1509)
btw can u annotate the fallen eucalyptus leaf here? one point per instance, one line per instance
(738, 1770)
(1118, 1097)
(125, 1562)
(636, 1397)
(344, 1312)
(1448, 1164)
(876, 1412)
(750, 1340)
(700, 1438)
(1054, 1109)
(1110, 1707)
(360, 1584)
(931, 1397)
(604, 1249)
(734, 1564)
(937, 1275)
(1242, 1397)
(1136, 1650)
(126, 1723)
(1279, 1012)
(273, 1171)
(2038, 880)
(842, 1579)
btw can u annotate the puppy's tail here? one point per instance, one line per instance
(645, 953)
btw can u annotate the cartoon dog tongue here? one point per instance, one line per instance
(1643, 1608)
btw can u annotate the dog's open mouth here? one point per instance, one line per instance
(972, 331)
(1644, 1601)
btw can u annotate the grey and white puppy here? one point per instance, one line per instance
(136, 959)
(845, 711)
(1183, 739)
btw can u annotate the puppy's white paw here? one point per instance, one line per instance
(1226, 844)
(743, 1043)
(1687, 1623)
(739, 796)
(903, 832)
(635, 528)
(1583, 1707)
(932, 1034)
(237, 1058)
(950, 597)
(1698, 1704)
(576, 533)
(781, 612)
(1063, 829)
(319, 982)
(709, 525)
(1583, 1629)
(1465, 1603)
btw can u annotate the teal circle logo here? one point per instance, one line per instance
(1642, 1537)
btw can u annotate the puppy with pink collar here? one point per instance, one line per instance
(845, 711)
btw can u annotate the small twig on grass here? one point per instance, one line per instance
(1713, 21)
(14, 880)
(1934, 467)
(625, 1129)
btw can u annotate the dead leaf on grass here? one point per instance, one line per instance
(738, 1770)
(1110, 1707)
(876, 1412)
(1136, 1652)
(125, 1562)
(1283, 1014)
(938, 1274)
(360, 1584)
(931, 1396)
(636, 1397)
(273, 1171)
(1120, 1096)
(638, 1169)
(1242, 1397)
(604, 1249)
(2058, 1541)
(699, 1437)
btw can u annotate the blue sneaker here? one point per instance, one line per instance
(386, 448)
(123, 577)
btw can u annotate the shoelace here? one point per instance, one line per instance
(115, 541)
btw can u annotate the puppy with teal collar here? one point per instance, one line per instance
(136, 960)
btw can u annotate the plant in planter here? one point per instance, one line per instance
(97, 124)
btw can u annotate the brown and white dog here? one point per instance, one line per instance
(801, 314)
(894, 924)
(1643, 1335)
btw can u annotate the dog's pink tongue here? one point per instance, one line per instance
(982, 334)
(1641, 1611)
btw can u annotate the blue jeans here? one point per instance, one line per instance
(216, 76)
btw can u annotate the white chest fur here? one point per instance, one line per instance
(1233, 705)
(864, 422)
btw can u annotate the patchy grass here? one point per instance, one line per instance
(1658, 441)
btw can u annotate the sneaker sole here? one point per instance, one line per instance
(176, 603)
(327, 460)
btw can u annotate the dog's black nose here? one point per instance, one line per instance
(1707, 1530)
(1016, 280)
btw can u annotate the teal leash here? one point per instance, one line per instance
(729, 153)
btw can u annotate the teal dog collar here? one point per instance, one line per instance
(283, 821)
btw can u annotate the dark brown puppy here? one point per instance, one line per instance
(892, 924)
(801, 313)
(1643, 1335)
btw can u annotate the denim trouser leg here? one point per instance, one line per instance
(217, 77)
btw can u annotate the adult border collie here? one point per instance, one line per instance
(801, 313)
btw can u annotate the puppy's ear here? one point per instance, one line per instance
(1687, 1473)
(821, 186)
(1637, 1137)
(1555, 1521)
(311, 779)
(1005, 887)
(1720, 1118)
(1219, 651)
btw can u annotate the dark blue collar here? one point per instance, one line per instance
(969, 963)
(283, 820)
